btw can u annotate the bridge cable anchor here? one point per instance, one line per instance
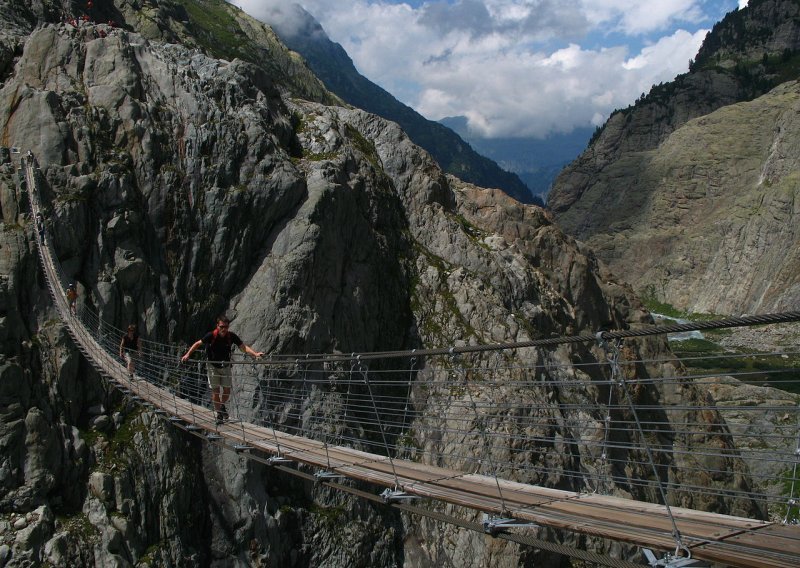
(278, 460)
(327, 476)
(493, 524)
(396, 496)
(673, 560)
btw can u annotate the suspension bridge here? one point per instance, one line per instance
(522, 441)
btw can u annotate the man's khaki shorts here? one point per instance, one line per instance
(219, 376)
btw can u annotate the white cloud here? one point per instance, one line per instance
(636, 17)
(504, 64)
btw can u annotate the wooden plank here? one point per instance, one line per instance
(775, 537)
(677, 512)
(633, 518)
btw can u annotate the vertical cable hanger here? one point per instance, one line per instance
(405, 425)
(396, 493)
(278, 458)
(328, 473)
(612, 350)
(328, 430)
(792, 501)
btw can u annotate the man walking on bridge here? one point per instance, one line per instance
(218, 349)
(72, 299)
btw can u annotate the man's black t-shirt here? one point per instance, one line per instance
(219, 349)
(130, 343)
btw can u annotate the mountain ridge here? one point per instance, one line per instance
(331, 63)
(619, 195)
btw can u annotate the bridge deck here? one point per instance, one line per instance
(730, 540)
(735, 541)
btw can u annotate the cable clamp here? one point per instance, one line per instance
(493, 525)
(674, 561)
(600, 339)
(327, 475)
(396, 496)
(277, 460)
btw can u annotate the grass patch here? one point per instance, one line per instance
(217, 31)
(319, 157)
(474, 234)
(653, 304)
(366, 147)
(78, 525)
(695, 346)
(329, 516)
(704, 357)
(433, 324)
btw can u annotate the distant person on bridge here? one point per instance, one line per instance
(72, 298)
(218, 349)
(130, 348)
(40, 225)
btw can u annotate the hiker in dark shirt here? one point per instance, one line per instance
(40, 225)
(130, 348)
(72, 299)
(218, 349)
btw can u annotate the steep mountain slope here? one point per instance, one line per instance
(699, 212)
(178, 185)
(330, 62)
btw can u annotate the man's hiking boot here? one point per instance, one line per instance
(220, 418)
(224, 412)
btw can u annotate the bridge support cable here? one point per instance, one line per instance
(237, 417)
(304, 403)
(397, 492)
(612, 351)
(405, 421)
(792, 504)
(605, 465)
(496, 523)
(649, 331)
(328, 433)
(271, 409)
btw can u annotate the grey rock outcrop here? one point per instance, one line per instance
(709, 217)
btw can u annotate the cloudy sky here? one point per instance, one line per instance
(515, 67)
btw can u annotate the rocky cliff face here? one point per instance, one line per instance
(690, 192)
(708, 218)
(178, 185)
(332, 64)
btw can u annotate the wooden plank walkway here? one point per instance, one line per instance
(733, 541)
